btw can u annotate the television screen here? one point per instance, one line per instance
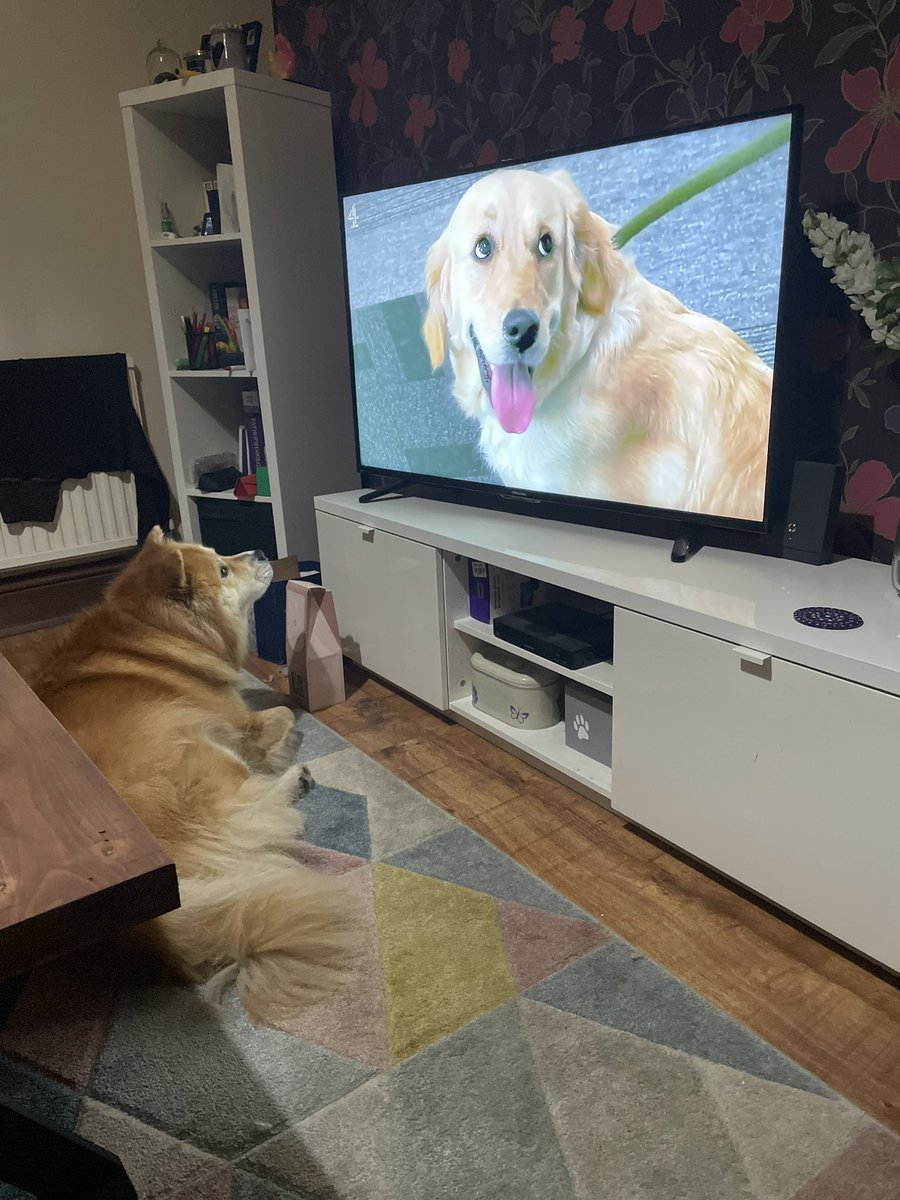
(597, 326)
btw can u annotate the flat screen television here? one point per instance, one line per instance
(598, 328)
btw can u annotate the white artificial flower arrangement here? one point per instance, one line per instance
(871, 284)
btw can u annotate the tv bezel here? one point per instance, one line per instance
(632, 517)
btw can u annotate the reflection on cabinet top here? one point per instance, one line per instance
(744, 598)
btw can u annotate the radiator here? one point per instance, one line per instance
(96, 515)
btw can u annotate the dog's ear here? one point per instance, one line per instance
(161, 570)
(594, 264)
(156, 535)
(437, 280)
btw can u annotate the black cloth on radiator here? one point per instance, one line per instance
(62, 418)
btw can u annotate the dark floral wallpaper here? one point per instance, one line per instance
(425, 85)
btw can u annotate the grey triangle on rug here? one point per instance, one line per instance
(494, 1041)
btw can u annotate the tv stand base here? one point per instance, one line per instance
(384, 493)
(686, 544)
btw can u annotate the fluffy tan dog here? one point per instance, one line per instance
(587, 379)
(146, 682)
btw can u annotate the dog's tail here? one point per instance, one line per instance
(280, 931)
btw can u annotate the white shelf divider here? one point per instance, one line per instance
(198, 495)
(210, 239)
(598, 676)
(215, 373)
(548, 746)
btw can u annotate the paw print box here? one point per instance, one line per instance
(589, 722)
(514, 691)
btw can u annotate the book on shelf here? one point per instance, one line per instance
(251, 445)
(227, 198)
(226, 301)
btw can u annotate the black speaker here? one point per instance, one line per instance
(812, 512)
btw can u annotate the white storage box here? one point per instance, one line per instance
(589, 722)
(514, 691)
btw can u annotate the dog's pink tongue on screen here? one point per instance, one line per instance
(512, 397)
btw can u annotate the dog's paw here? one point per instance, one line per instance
(305, 781)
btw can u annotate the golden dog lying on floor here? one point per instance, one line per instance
(146, 682)
(587, 379)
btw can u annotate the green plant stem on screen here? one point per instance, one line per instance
(707, 178)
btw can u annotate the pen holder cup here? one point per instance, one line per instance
(201, 351)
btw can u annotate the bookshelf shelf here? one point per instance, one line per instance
(211, 239)
(278, 138)
(196, 494)
(218, 373)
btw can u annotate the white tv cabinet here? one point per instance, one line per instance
(754, 743)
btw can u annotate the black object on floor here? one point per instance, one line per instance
(52, 1164)
(62, 418)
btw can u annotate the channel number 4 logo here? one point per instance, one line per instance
(352, 218)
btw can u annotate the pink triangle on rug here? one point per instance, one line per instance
(869, 1169)
(353, 1021)
(539, 943)
(60, 1021)
(331, 862)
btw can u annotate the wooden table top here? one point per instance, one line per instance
(76, 864)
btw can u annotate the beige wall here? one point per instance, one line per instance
(71, 278)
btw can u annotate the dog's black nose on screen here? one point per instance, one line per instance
(520, 328)
(260, 556)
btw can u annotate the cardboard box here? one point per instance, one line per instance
(315, 656)
(494, 592)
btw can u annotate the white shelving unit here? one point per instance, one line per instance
(287, 253)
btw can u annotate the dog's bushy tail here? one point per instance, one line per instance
(280, 931)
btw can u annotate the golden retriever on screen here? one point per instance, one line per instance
(587, 379)
(146, 682)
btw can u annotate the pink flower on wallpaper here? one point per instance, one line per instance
(315, 27)
(878, 127)
(746, 24)
(887, 517)
(367, 73)
(487, 155)
(566, 33)
(866, 486)
(282, 59)
(421, 117)
(458, 58)
(647, 15)
(866, 493)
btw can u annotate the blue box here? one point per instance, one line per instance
(269, 612)
(495, 592)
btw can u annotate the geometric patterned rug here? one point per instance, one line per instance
(494, 1043)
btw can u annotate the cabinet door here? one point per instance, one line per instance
(389, 604)
(777, 775)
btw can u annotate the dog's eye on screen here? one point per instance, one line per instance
(545, 245)
(223, 571)
(484, 248)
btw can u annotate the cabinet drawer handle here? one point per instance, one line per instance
(367, 532)
(755, 657)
